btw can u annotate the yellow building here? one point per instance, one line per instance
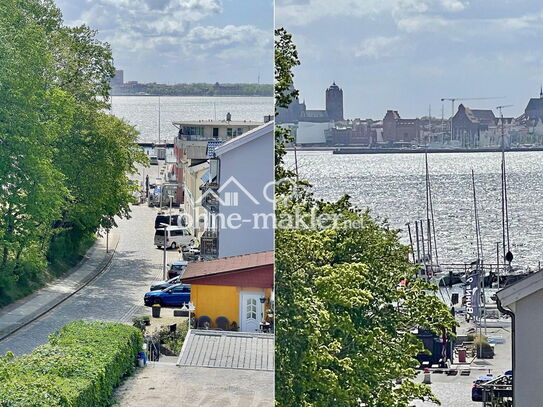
(193, 178)
(238, 288)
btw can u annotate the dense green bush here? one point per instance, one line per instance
(79, 367)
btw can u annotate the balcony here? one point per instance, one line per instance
(209, 244)
(210, 197)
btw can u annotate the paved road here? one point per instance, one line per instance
(455, 391)
(116, 295)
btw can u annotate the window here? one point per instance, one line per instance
(251, 309)
(239, 132)
(193, 132)
(229, 131)
(215, 132)
(214, 170)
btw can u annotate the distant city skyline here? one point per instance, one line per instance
(182, 41)
(405, 55)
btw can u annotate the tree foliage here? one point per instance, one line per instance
(347, 302)
(63, 159)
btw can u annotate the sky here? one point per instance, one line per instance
(406, 55)
(181, 41)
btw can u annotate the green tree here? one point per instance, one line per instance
(347, 302)
(32, 117)
(64, 161)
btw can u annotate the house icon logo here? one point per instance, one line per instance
(229, 197)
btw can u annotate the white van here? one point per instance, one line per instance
(176, 236)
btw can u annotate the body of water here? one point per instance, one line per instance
(393, 187)
(142, 111)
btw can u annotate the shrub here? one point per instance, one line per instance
(79, 367)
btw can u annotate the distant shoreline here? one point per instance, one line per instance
(354, 150)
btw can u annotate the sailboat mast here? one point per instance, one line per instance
(480, 267)
(159, 119)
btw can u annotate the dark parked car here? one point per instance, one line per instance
(177, 268)
(476, 391)
(177, 220)
(174, 296)
(161, 285)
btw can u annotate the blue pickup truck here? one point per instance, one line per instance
(173, 296)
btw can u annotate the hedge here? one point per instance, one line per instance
(79, 367)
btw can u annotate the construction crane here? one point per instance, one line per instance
(502, 107)
(452, 100)
(502, 122)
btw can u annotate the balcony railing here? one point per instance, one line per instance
(209, 244)
(210, 197)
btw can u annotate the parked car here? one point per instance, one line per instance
(153, 160)
(476, 390)
(176, 268)
(174, 296)
(176, 236)
(177, 220)
(161, 285)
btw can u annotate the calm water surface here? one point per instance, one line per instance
(142, 111)
(392, 186)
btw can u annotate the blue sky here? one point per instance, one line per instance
(173, 41)
(408, 54)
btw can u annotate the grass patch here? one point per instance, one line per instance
(33, 277)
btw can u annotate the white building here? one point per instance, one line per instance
(241, 178)
(525, 300)
(191, 146)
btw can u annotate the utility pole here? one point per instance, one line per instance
(165, 228)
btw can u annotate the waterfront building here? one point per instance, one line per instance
(334, 103)
(534, 109)
(118, 79)
(194, 145)
(468, 125)
(238, 195)
(298, 112)
(398, 130)
(312, 133)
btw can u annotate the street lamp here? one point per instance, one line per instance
(170, 195)
(164, 226)
(190, 309)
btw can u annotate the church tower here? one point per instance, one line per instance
(334, 102)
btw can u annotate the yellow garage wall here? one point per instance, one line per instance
(216, 301)
(219, 301)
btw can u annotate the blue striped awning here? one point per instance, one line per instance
(211, 146)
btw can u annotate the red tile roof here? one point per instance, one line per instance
(229, 264)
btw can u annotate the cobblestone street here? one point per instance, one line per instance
(117, 294)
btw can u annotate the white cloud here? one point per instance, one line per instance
(215, 40)
(303, 12)
(418, 23)
(453, 5)
(379, 47)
